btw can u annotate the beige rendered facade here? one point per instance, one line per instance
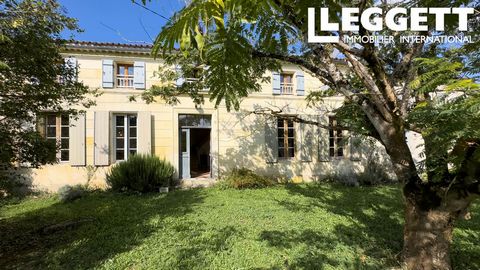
(217, 140)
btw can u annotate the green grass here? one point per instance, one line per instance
(286, 227)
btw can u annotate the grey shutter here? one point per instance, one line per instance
(144, 133)
(180, 80)
(323, 140)
(300, 84)
(71, 63)
(271, 140)
(77, 141)
(355, 147)
(306, 139)
(139, 75)
(102, 138)
(107, 73)
(276, 83)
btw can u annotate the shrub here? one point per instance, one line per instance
(70, 193)
(245, 178)
(143, 173)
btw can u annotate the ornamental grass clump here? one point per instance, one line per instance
(142, 173)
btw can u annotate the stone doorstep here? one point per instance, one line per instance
(196, 182)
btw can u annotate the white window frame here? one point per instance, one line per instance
(126, 136)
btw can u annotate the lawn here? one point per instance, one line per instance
(286, 227)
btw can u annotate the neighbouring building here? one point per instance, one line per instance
(202, 143)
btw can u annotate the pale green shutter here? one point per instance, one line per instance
(306, 139)
(102, 138)
(144, 133)
(271, 139)
(323, 140)
(77, 141)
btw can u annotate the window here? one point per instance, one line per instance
(335, 138)
(286, 138)
(286, 83)
(125, 136)
(57, 129)
(124, 75)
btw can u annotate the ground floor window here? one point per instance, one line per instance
(57, 129)
(286, 138)
(125, 136)
(335, 138)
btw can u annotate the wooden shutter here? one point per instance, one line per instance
(306, 139)
(139, 75)
(180, 79)
(71, 63)
(271, 139)
(323, 140)
(107, 73)
(144, 133)
(102, 138)
(41, 124)
(77, 141)
(276, 83)
(300, 84)
(355, 147)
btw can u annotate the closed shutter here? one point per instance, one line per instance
(355, 147)
(271, 139)
(71, 63)
(323, 140)
(306, 139)
(180, 80)
(139, 75)
(300, 84)
(107, 73)
(144, 133)
(77, 140)
(102, 141)
(41, 124)
(276, 83)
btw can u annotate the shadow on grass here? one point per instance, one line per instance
(121, 222)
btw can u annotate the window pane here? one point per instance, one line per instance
(133, 143)
(290, 124)
(184, 141)
(65, 132)
(291, 143)
(332, 152)
(64, 155)
(121, 69)
(119, 121)
(119, 155)
(120, 132)
(281, 152)
(130, 70)
(133, 132)
(133, 120)
(65, 120)
(291, 152)
(51, 120)
(290, 132)
(340, 152)
(280, 142)
(332, 142)
(133, 152)
(280, 123)
(119, 143)
(65, 143)
(51, 132)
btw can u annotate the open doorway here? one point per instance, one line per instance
(195, 137)
(200, 153)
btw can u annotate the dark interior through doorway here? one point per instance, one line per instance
(200, 152)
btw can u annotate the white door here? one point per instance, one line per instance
(185, 153)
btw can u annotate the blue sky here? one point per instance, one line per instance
(119, 20)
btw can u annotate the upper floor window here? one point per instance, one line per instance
(335, 138)
(286, 138)
(57, 129)
(125, 136)
(124, 76)
(286, 83)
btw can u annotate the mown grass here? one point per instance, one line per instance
(285, 227)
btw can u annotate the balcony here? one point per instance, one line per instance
(124, 81)
(286, 88)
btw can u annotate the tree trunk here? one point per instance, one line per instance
(427, 238)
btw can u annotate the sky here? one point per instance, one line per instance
(119, 20)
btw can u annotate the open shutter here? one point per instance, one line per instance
(271, 140)
(300, 84)
(306, 140)
(107, 73)
(41, 124)
(144, 133)
(323, 140)
(77, 141)
(102, 141)
(180, 79)
(71, 63)
(139, 75)
(276, 83)
(355, 147)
